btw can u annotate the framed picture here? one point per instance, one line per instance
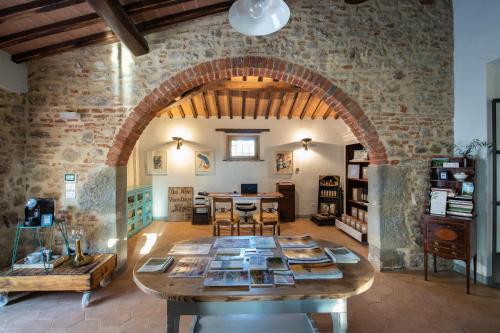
(353, 171)
(204, 163)
(360, 155)
(283, 162)
(157, 162)
(443, 175)
(467, 189)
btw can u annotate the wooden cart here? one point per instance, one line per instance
(62, 278)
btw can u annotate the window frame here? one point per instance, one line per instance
(230, 138)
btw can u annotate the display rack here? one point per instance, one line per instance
(139, 208)
(354, 221)
(329, 200)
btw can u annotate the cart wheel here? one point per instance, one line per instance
(105, 282)
(85, 299)
(4, 299)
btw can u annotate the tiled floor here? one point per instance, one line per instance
(397, 302)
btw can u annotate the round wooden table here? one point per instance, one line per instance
(188, 296)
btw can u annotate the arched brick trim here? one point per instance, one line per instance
(349, 111)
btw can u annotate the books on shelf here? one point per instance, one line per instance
(304, 241)
(276, 264)
(190, 249)
(226, 264)
(190, 267)
(261, 278)
(284, 278)
(227, 279)
(342, 255)
(305, 255)
(156, 265)
(316, 271)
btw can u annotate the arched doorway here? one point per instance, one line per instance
(347, 109)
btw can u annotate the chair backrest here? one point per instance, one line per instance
(224, 202)
(274, 202)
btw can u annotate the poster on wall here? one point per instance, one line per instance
(157, 162)
(180, 204)
(204, 163)
(283, 162)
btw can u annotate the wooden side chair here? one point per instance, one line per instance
(223, 215)
(269, 215)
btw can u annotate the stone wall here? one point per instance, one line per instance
(12, 182)
(393, 57)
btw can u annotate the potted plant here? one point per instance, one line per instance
(470, 149)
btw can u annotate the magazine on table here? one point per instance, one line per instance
(315, 271)
(262, 252)
(284, 278)
(232, 242)
(226, 264)
(260, 242)
(256, 262)
(229, 251)
(309, 254)
(190, 249)
(156, 265)
(290, 242)
(276, 264)
(190, 267)
(261, 278)
(226, 279)
(342, 255)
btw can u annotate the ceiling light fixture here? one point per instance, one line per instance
(306, 142)
(179, 140)
(258, 17)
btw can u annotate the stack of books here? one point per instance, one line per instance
(316, 271)
(342, 255)
(156, 265)
(461, 208)
(296, 242)
(307, 255)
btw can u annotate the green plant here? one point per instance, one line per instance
(469, 149)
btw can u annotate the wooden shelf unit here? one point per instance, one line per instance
(329, 195)
(355, 186)
(451, 237)
(287, 203)
(139, 208)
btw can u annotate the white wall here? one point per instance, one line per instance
(476, 31)
(326, 156)
(13, 77)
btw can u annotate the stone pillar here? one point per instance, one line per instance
(104, 194)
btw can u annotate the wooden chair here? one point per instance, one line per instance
(223, 216)
(269, 217)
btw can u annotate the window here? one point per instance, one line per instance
(242, 148)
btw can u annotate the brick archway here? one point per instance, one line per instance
(349, 111)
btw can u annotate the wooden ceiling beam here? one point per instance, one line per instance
(183, 114)
(243, 104)
(278, 112)
(193, 109)
(205, 106)
(313, 116)
(256, 109)
(112, 12)
(295, 98)
(217, 106)
(81, 22)
(230, 104)
(34, 7)
(270, 101)
(249, 86)
(306, 106)
(107, 37)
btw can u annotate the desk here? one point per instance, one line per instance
(189, 297)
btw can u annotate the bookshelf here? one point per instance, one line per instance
(450, 220)
(354, 221)
(329, 200)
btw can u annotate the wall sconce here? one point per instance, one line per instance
(306, 142)
(179, 140)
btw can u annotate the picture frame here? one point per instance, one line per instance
(204, 162)
(467, 189)
(360, 155)
(283, 162)
(443, 175)
(157, 162)
(353, 171)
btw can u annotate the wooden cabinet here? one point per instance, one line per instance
(450, 238)
(139, 208)
(329, 201)
(287, 203)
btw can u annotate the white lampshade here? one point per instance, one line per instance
(258, 17)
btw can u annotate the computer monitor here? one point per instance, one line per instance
(248, 188)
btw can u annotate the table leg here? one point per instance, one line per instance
(339, 318)
(173, 320)
(86, 299)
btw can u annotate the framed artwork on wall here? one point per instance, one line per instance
(283, 162)
(204, 163)
(157, 162)
(353, 171)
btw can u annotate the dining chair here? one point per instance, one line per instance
(224, 215)
(269, 215)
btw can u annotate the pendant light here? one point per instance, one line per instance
(258, 17)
